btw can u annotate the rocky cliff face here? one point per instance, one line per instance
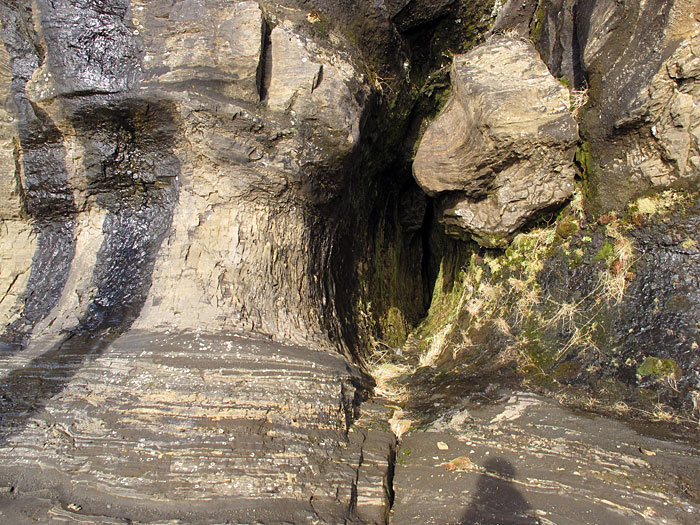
(176, 174)
(200, 123)
(601, 294)
(500, 153)
(207, 166)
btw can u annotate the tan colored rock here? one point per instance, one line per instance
(293, 73)
(10, 204)
(79, 287)
(17, 245)
(239, 249)
(219, 46)
(165, 427)
(310, 87)
(502, 150)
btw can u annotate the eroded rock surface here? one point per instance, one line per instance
(202, 428)
(502, 150)
(166, 166)
(638, 62)
(524, 460)
(224, 131)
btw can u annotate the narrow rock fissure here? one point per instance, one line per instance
(322, 228)
(264, 71)
(390, 495)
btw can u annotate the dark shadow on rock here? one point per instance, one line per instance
(45, 193)
(497, 501)
(135, 138)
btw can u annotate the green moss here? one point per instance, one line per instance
(536, 24)
(566, 371)
(606, 253)
(583, 158)
(404, 454)
(567, 227)
(660, 205)
(656, 368)
(494, 240)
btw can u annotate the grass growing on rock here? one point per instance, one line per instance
(549, 308)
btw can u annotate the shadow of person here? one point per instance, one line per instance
(497, 501)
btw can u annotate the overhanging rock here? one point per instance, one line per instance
(501, 152)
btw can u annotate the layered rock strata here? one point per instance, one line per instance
(194, 427)
(502, 150)
(168, 166)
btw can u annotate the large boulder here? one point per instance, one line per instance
(502, 150)
(636, 59)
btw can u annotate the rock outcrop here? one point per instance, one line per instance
(169, 167)
(502, 150)
(636, 62)
(223, 130)
(171, 172)
(598, 305)
(210, 230)
(196, 428)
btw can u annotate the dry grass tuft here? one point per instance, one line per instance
(431, 356)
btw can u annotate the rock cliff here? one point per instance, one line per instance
(225, 223)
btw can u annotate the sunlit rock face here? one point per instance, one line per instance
(166, 171)
(502, 150)
(638, 61)
(212, 130)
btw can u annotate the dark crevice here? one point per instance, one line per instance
(428, 270)
(389, 493)
(263, 74)
(579, 81)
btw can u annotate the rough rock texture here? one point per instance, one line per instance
(598, 304)
(168, 125)
(521, 459)
(186, 165)
(502, 150)
(193, 427)
(219, 165)
(639, 64)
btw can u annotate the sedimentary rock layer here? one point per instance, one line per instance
(502, 150)
(198, 427)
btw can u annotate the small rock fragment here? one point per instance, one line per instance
(442, 445)
(460, 464)
(399, 426)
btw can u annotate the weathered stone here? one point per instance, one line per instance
(624, 53)
(112, 132)
(91, 48)
(513, 16)
(409, 14)
(554, 34)
(195, 427)
(525, 460)
(217, 45)
(502, 150)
